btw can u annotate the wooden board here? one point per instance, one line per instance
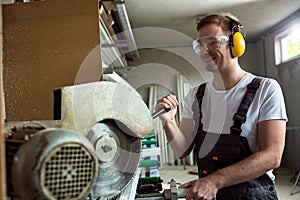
(46, 45)
(2, 139)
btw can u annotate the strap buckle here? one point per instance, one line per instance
(240, 118)
(235, 130)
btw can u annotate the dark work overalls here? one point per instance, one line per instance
(227, 149)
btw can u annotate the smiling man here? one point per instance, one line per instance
(235, 123)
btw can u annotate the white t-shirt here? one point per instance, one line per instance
(218, 107)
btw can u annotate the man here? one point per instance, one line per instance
(237, 143)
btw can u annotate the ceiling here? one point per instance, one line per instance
(257, 16)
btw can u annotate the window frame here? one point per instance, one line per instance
(278, 44)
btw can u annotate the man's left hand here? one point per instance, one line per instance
(202, 188)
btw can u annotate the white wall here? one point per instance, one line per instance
(162, 66)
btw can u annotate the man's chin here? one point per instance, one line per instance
(211, 67)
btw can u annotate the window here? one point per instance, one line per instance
(288, 45)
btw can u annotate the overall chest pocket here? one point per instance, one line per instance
(220, 151)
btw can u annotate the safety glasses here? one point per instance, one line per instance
(209, 43)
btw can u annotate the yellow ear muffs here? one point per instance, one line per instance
(237, 44)
(236, 39)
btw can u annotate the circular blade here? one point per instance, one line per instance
(118, 155)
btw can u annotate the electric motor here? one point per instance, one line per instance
(49, 163)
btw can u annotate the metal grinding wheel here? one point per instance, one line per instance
(118, 154)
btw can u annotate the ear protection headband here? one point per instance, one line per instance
(236, 40)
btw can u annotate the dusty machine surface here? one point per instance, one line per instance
(91, 150)
(82, 106)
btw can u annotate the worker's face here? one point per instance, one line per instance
(214, 47)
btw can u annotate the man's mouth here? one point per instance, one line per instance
(208, 59)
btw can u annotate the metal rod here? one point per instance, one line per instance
(160, 111)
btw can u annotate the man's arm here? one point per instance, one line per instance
(271, 139)
(180, 138)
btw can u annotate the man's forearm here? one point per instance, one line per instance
(271, 139)
(252, 167)
(176, 138)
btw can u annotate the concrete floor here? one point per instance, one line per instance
(283, 177)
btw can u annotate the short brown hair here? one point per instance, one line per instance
(222, 20)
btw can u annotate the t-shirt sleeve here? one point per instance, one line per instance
(273, 105)
(187, 111)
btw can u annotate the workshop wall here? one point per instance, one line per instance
(162, 66)
(45, 44)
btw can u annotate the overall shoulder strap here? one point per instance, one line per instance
(196, 107)
(197, 116)
(240, 116)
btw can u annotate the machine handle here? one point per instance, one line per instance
(160, 111)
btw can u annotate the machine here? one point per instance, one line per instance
(91, 150)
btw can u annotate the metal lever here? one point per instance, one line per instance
(160, 111)
(175, 193)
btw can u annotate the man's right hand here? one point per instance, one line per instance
(169, 101)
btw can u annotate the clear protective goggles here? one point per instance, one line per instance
(209, 43)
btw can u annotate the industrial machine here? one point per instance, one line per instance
(172, 192)
(91, 150)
